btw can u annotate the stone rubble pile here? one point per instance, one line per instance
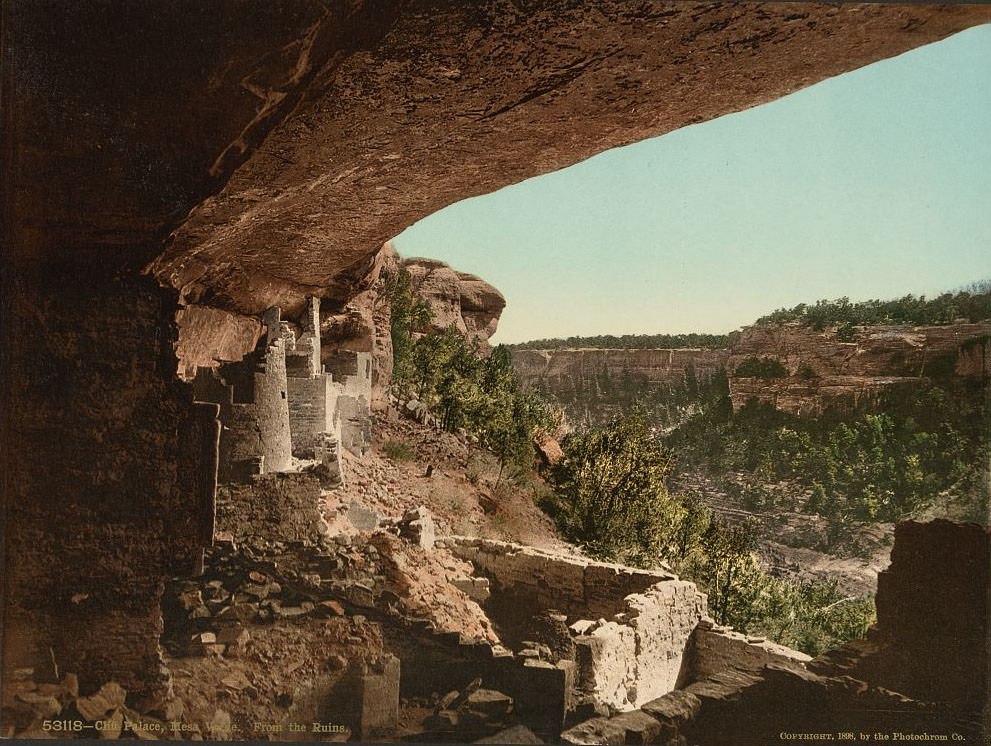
(386, 574)
(44, 710)
(471, 713)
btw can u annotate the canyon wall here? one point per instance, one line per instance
(817, 368)
(821, 369)
(592, 384)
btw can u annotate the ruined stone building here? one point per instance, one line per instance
(195, 200)
(281, 401)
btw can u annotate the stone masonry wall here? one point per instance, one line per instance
(312, 410)
(714, 649)
(254, 411)
(579, 588)
(352, 372)
(312, 392)
(277, 507)
(639, 653)
(631, 628)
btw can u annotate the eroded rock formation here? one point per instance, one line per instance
(594, 384)
(452, 100)
(456, 299)
(821, 369)
(817, 368)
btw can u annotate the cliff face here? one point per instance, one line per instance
(594, 384)
(817, 369)
(254, 154)
(457, 299)
(822, 370)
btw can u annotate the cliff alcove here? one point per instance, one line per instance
(175, 171)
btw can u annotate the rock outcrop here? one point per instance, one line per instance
(594, 384)
(815, 369)
(435, 102)
(820, 369)
(456, 299)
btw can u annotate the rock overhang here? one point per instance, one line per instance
(453, 100)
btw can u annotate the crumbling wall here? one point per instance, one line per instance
(277, 507)
(254, 408)
(714, 649)
(733, 708)
(312, 393)
(921, 670)
(639, 653)
(312, 412)
(579, 588)
(352, 372)
(631, 627)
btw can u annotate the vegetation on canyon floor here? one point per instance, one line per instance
(609, 494)
(609, 497)
(917, 446)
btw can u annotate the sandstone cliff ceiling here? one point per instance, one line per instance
(283, 142)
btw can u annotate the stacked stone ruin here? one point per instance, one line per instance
(282, 402)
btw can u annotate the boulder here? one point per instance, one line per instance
(417, 526)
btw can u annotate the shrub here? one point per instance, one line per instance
(398, 451)
(610, 493)
(763, 367)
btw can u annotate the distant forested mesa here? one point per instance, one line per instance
(972, 304)
(629, 342)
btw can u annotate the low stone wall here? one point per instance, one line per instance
(579, 588)
(639, 654)
(630, 628)
(278, 507)
(923, 669)
(716, 649)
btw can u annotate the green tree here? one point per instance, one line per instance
(611, 492)
(408, 315)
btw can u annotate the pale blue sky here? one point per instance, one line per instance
(875, 183)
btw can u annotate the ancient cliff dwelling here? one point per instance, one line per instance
(221, 522)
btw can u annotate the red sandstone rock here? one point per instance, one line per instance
(457, 299)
